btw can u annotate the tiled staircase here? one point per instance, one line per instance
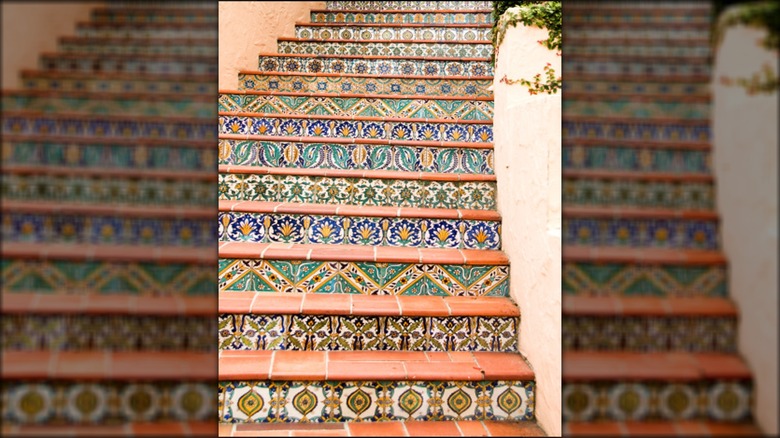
(649, 329)
(363, 290)
(107, 233)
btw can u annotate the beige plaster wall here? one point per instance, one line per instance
(527, 134)
(745, 141)
(248, 28)
(31, 28)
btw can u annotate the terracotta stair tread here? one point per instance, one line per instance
(133, 25)
(660, 428)
(356, 210)
(576, 211)
(386, 428)
(364, 118)
(358, 75)
(371, 365)
(141, 41)
(355, 140)
(354, 95)
(360, 253)
(106, 253)
(333, 40)
(617, 306)
(115, 304)
(87, 171)
(357, 173)
(148, 77)
(112, 117)
(126, 210)
(643, 255)
(356, 304)
(668, 366)
(400, 58)
(399, 25)
(168, 428)
(637, 175)
(104, 365)
(106, 95)
(136, 56)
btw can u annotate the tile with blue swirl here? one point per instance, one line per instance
(651, 233)
(663, 194)
(637, 159)
(128, 106)
(644, 88)
(387, 33)
(404, 17)
(43, 81)
(390, 48)
(373, 66)
(641, 130)
(651, 69)
(628, 107)
(91, 64)
(399, 5)
(79, 126)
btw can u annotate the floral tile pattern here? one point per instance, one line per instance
(648, 50)
(644, 88)
(90, 105)
(73, 45)
(369, 278)
(645, 233)
(117, 30)
(637, 159)
(640, 130)
(48, 82)
(652, 68)
(375, 48)
(638, 193)
(374, 66)
(628, 108)
(331, 401)
(628, 34)
(387, 33)
(402, 17)
(88, 63)
(57, 125)
(408, 5)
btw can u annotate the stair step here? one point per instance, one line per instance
(659, 428)
(695, 133)
(357, 105)
(628, 231)
(628, 22)
(408, 5)
(24, 303)
(139, 46)
(433, 48)
(107, 29)
(685, 257)
(442, 16)
(129, 428)
(632, 49)
(600, 189)
(375, 65)
(357, 322)
(117, 83)
(386, 428)
(137, 64)
(679, 109)
(639, 70)
(662, 7)
(134, 211)
(387, 85)
(106, 252)
(371, 31)
(639, 160)
(153, 15)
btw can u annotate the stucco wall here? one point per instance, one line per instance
(31, 28)
(745, 141)
(527, 134)
(248, 28)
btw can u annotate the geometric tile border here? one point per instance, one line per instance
(105, 127)
(373, 33)
(374, 66)
(408, 5)
(655, 194)
(636, 159)
(401, 17)
(386, 48)
(645, 233)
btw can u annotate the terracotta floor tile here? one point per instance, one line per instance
(26, 364)
(160, 305)
(356, 370)
(158, 429)
(481, 306)
(733, 429)
(241, 250)
(393, 428)
(18, 302)
(432, 428)
(245, 366)
(503, 366)
(369, 356)
(442, 256)
(81, 364)
(438, 356)
(442, 371)
(277, 304)
(298, 365)
(480, 215)
(390, 254)
(643, 306)
(590, 305)
(432, 213)
(650, 428)
(235, 302)
(519, 428)
(345, 253)
(294, 208)
(200, 305)
(702, 306)
(691, 428)
(423, 306)
(485, 257)
(472, 428)
(461, 356)
(368, 210)
(226, 429)
(284, 251)
(327, 304)
(202, 428)
(60, 304)
(602, 428)
(722, 365)
(380, 305)
(163, 365)
(325, 432)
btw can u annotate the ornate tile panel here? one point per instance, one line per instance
(152, 32)
(688, 51)
(370, 278)
(637, 280)
(102, 278)
(637, 159)
(625, 89)
(646, 401)
(345, 332)
(356, 156)
(107, 332)
(160, 16)
(402, 17)
(354, 106)
(374, 66)
(633, 108)
(328, 128)
(330, 401)
(639, 130)
(387, 33)
(375, 48)
(644, 233)
(367, 85)
(652, 67)
(667, 36)
(615, 192)
(408, 5)
(109, 48)
(56, 125)
(113, 105)
(106, 402)
(100, 63)
(363, 191)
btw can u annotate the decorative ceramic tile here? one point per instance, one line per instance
(637, 159)
(159, 16)
(648, 50)
(408, 5)
(331, 401)
(663, 194)
(638, 17)
(388, 33)
(106, 402)
(663, 36)
(329, 128)
(358, 106)
(641, 130)
(647, 401)
(108, 105)
(364, 191)
(633, 108)
(98, 277)
(369, 278)
(356, 156)
(375, 48)
(644, 88)
(118, 64)
(106, 332)
(119, 31)
(43, 81)
(402, 17)
(359, 230)
(102, 229)
(645, 233)
(367, 85)
(627, 68)
(108, 47)
(636, 280)
(107, 190)
(651, 333)
(373, 66)
(58, 125)
(348, 332)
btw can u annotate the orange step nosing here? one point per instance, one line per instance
(358, 118)
(400, 58)
(643, 256)
(135, 211)
(328, 40)
(355, 140)
(21, 302)
(617, 306)
(358, 75)
(106, 172)
(398, 25)
(355, 95)
(638, 176)
(349, 173)
(113, 253)
(637, 213)
(402, 11)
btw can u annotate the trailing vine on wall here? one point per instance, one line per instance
(542, 14)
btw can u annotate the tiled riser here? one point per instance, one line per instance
(43, 153)
(354, 191)
(387, 333)
(408, 5)
(643, 69)
(356, 156)
(105, 278)
(114, 332)
(369, 278)
(371, 66)
(158, 17)
(638, 89)
(391, 130)
(637, 18)
(107, 190)
(140, 48)
(58, 126)
(640, 130)
(334, 230)
(117, 85)
(651, 233)
(94, 63)
(636, 280)
(674, 195)
(368, 48)
(34, 227)
(646, 110)
(639, 50)
(659, 36)
(637, 159)
(354, 106)
(154, 32)
(106, 402)
(702, 334)
(373, 33)
(367, 85)
(402, 17)
(332, 401)
(84, 105)
(717, 400)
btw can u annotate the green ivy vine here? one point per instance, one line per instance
(542, 14)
